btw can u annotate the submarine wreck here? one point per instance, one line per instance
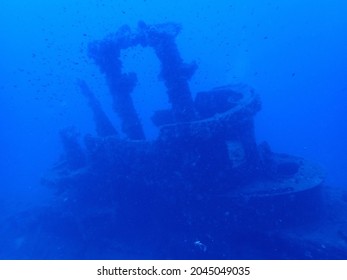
(203, 189)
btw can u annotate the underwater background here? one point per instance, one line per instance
(293, 53)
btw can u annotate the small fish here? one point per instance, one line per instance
(200, 245)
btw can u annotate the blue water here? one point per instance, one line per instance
(293, 53)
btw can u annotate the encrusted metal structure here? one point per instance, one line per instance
(204, 181)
